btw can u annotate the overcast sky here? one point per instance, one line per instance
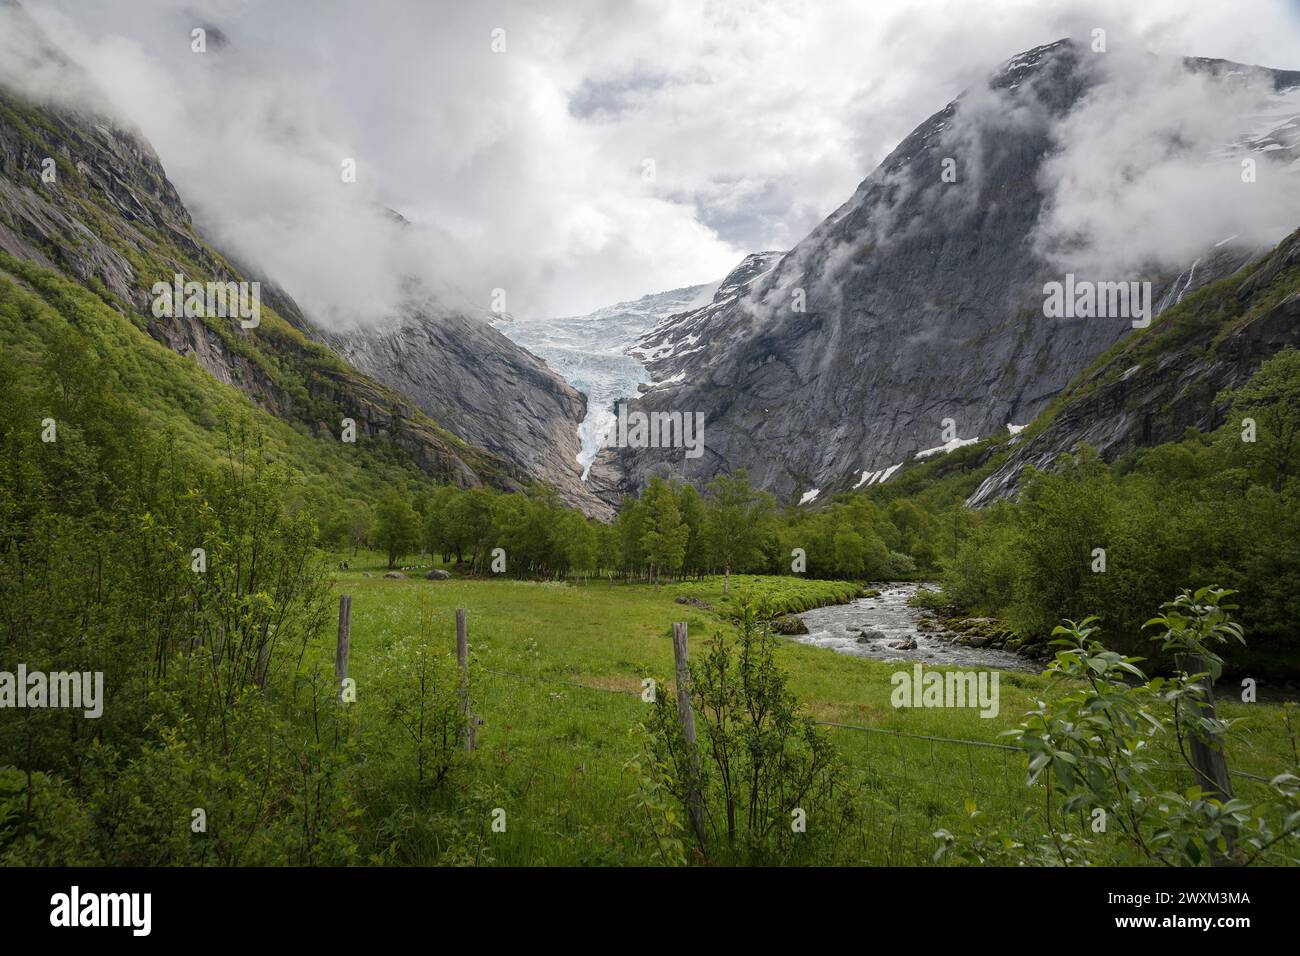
(527, 169)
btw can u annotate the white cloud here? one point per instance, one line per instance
(1149, 172)
(761, 116)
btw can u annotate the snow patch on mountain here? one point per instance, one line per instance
(679, 334)
(946, 447)
(877, 477)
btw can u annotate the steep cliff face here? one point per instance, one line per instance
(1163, 381)
(486, 389)
(913, 312)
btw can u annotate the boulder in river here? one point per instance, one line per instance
(908, 644)
(789, 624)
(869, 635)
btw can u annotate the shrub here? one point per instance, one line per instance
(1106, 749)
(762, 763)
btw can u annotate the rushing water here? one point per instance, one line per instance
(837, 627)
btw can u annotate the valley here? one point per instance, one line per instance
(367, 570)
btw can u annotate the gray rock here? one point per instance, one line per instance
(491, 392)
(394, 574)
(789, 624)
(438, 574)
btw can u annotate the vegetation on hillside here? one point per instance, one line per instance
(1220, 508)
(116, 253)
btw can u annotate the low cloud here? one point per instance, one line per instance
(1149, 175)
(524, 170)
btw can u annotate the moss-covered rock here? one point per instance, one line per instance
(789, 624)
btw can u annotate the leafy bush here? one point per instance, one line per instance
(761, 767)
(1103, 748)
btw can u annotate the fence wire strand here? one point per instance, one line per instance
(940, 777)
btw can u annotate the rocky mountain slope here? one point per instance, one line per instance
(84, 196)
(911, 318)
(687, 332)
(112, 220)
(489, 391)
(1155, 385)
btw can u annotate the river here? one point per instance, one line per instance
(837, 628)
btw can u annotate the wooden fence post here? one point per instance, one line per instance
(686, 714)
(462, 657)
(345, 641)
(1209, 762)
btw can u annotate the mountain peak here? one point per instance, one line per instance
(916, 308)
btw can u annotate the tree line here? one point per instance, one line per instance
(671, 531)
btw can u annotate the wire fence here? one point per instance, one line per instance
(905, 785)
(969, 773)
(939, 770)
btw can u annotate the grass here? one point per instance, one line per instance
(552, 754)
(776, 595)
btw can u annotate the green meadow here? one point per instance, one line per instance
(557, 674)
